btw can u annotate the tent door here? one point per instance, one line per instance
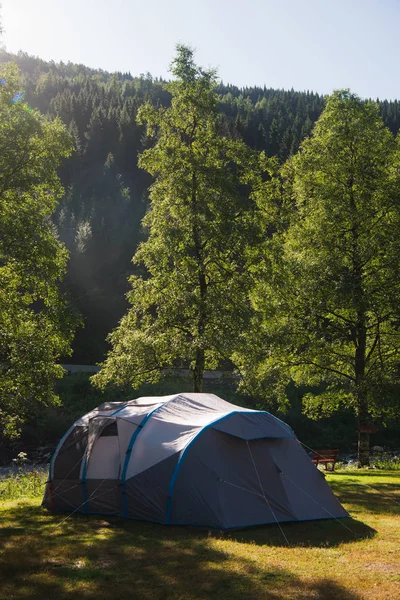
(104, 461)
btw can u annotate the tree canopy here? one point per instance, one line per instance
(190, 301)
(328, 301)
(100, 110)
(215, 229)
(35, 323)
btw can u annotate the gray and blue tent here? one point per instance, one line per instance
(187, 459)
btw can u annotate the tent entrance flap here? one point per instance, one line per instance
(102, 460)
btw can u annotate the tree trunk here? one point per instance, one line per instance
(363, 449)
(362, 402)
(198, 371)
(360, 355)
(363, 437)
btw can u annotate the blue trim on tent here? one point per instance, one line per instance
(186, 449)
(119, 409)
(84, 488)
(129, 452)
(56, 451)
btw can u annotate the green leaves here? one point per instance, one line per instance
(329, 309)
(189, 299)
(35, 323)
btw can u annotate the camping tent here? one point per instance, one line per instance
(190, 459)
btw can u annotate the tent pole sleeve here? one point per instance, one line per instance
(84, 488)
(185, 451)
(183, 457)
(128, 455)
(118, 410)
(57, 450)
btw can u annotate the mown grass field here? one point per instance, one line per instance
(95, 557)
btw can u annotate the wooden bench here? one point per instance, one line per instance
(325, 457)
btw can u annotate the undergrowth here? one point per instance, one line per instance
(22, 481)
(387, 462)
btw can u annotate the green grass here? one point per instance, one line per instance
(386, 462)
(26, 484)
(43, 556)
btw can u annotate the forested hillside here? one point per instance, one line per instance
(106, 193)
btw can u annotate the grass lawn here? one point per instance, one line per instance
(102, 558)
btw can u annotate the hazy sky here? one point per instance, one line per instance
(318, 45)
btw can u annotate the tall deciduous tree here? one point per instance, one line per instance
(329, 307)
(35, 324)
(189, 302)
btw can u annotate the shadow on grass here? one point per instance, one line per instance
(324, 533)
(369, 497)
(103, 558)
(307, 534)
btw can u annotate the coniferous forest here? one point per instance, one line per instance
(99, 218)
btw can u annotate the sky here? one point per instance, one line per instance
(317, 45)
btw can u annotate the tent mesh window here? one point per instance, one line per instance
(110, 430)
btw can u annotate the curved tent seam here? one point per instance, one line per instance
(187, 447)
(57, 450)
(129, 450)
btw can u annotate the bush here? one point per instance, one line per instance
(22, 480)
(386, 461)
(383, 460)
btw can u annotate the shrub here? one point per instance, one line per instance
(22, 480)
(387, 461)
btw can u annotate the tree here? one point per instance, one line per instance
(329, 303)
(189, 301)
(35, 323)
